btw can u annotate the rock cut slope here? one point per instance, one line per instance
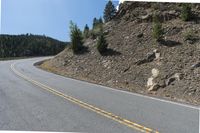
(135, 61)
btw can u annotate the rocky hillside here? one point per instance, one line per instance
(135, 61)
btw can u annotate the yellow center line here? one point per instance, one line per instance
(102, 112)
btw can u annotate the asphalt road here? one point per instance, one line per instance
(35, 100)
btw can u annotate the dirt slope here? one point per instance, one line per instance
(134, 54)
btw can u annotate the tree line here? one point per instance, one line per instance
(29, 45)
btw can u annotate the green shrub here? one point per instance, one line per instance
(157, 28)
(76, 38)
(186, 12)
(97, 31)
(102, 44)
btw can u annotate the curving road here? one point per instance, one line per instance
(35, 100)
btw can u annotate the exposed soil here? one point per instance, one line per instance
(133, 53)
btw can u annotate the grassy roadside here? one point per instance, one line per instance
(46, 67)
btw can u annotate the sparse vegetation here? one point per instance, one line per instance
(157, 28)
(97, 26)
(109, 11)
(76, 38)
(96, 32)
(186, 12)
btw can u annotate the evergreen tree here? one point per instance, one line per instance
(100, 20)
(29, 45)
(95, 21)
(109, 11)
(157, 28)
(186, 12)
(101, 43)
(86, 31)
(76, 38)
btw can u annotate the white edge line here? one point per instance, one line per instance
(137, 94)
(199, 120)
(130, 93)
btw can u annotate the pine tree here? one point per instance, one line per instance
(186, 12)
(76, 38)
(86, 31)
(95, 22)
(100, 20)
(109, 11)
(101, 43)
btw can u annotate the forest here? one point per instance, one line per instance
(29, 45)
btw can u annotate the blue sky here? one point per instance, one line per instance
(48, 17)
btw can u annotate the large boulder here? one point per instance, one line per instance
(152, 85)
(155, 73)
(150, 82)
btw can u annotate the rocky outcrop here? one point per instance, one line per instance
(155, 82)
(143, 11)
(151, 56)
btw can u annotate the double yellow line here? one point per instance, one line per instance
(102, 112)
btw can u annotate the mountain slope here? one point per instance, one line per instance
(136, 62)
